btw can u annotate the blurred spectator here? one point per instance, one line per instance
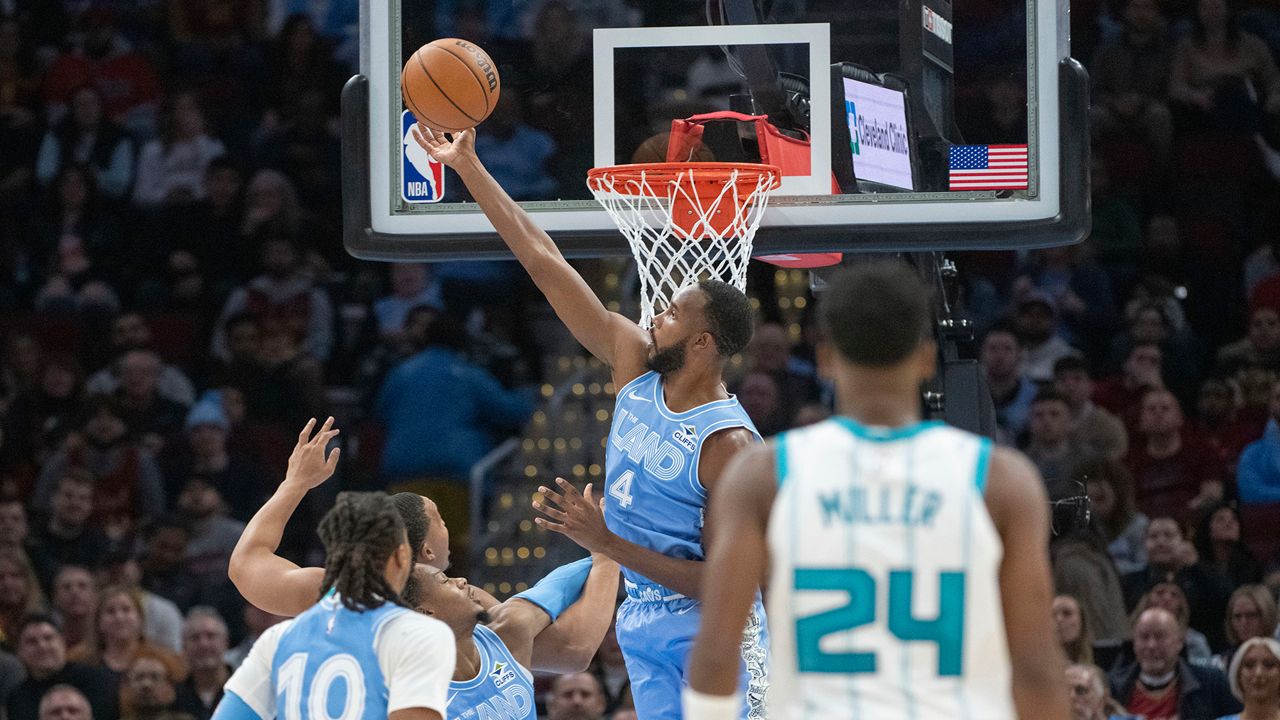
(44, 655)
(811, 414)
(19, 129)
(411, 288)
(118, 635)
(38, 421)
(209, 29)
(256, 622)
(470, 409)
(1251, 613)
(210, 229)
(610, 667)
(1036, 323)
(335, 21)
(130, 331)
(762, 399)
(1262, 264)
(1162, 686)
(1090, 696)
(1072, 628)
(301, 65)
(1219, 547)
(1224, 78)
(20, 593)
(1171, 559)
(1094, 431)
(162, 621)
(1130, 79)
(163, 563)
(271, 209)
(213, 535)
(290, 386)
(1174, 473)
(1149, 324)
(204, 643)
(76, 246)
(1260, 347)
(1169, 596)
(128, 483)
(87, 139)
(1122, 394)
(1079, 291)
(1258, 472)
(769, 352)
(1083, 571)
(127, 80)
(148, 689)
(1049, 443)
(14, 529)
(64, 702)
(1111, 496)
(229, 473)
(282, 299)
(148, 414)
(171, 168)
(1254, 676)
(517, 153)
(75, 603)
(576, 696)
(1221, 424)
(1011, 390)
(67, 537)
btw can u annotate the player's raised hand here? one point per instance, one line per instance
(450, 150)
(308, 464)
(577, 516)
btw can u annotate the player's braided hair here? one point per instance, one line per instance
(359, 534)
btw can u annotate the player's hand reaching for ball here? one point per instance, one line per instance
(578, 516)
(308, 464)
(451, 150)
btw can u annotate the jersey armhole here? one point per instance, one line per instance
(780, 458)
(983, 466)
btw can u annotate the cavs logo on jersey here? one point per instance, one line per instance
(421, 178)
(502, 674)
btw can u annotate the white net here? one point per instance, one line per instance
(686, 224)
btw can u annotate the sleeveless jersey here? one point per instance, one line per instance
(654, 498)
(884, 596)
(326, 648)
(502, 690)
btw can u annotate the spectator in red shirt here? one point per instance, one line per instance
(1220, 423)
(1173, 473)
(1121, 394)
(1161, 685)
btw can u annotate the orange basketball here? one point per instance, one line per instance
(450, 85)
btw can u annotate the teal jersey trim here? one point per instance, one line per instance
(780, 458)
(983, 466)
(879, 434)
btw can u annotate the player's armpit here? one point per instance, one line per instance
(735, 569)
(1019, 509)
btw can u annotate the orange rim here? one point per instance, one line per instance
(705, 177)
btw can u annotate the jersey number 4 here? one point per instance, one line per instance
(335, 667)
(621, 489)
(946, 630)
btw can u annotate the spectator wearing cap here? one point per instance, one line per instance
(1254, 676)
(1080, 292)
(1160, 685)
(130, 331)
(68, 537)
(1036, 323)
(1258, 472)
(1011, 390)
(1096, 432)
(64, 702)
(128, 485)
(236, 477)
(43, 653)
(1174, 473)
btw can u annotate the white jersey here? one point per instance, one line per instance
(884, 595)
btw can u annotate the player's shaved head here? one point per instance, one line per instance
(876, 314)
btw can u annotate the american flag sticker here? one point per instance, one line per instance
(988, 167)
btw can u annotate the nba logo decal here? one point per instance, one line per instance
(421, 178)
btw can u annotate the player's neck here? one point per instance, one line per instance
(692, 386)
(467, 665)
(882, 399)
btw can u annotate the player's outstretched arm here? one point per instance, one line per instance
(265, 579)
(615, 340)
(736, 564)
(1019, 508)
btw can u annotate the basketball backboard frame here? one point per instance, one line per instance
(1057, 214)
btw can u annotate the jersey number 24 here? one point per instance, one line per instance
(946, 630)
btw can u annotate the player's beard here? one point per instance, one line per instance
(668, 359)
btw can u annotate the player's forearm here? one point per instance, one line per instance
(262, 535)
(568, 644)
(1039, 692)
(683, 576)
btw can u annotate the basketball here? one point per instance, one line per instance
(450, 85)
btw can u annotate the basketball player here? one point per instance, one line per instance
(389, 661)
(495, 645)
(674, 429)
(906, 561)
(277, 585)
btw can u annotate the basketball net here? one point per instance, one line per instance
(685, 222)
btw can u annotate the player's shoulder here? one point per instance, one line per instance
(1013, 486)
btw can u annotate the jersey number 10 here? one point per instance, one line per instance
(946, 630)
(289, 680)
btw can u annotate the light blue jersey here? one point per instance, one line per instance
(502, 690)
(654, 499)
